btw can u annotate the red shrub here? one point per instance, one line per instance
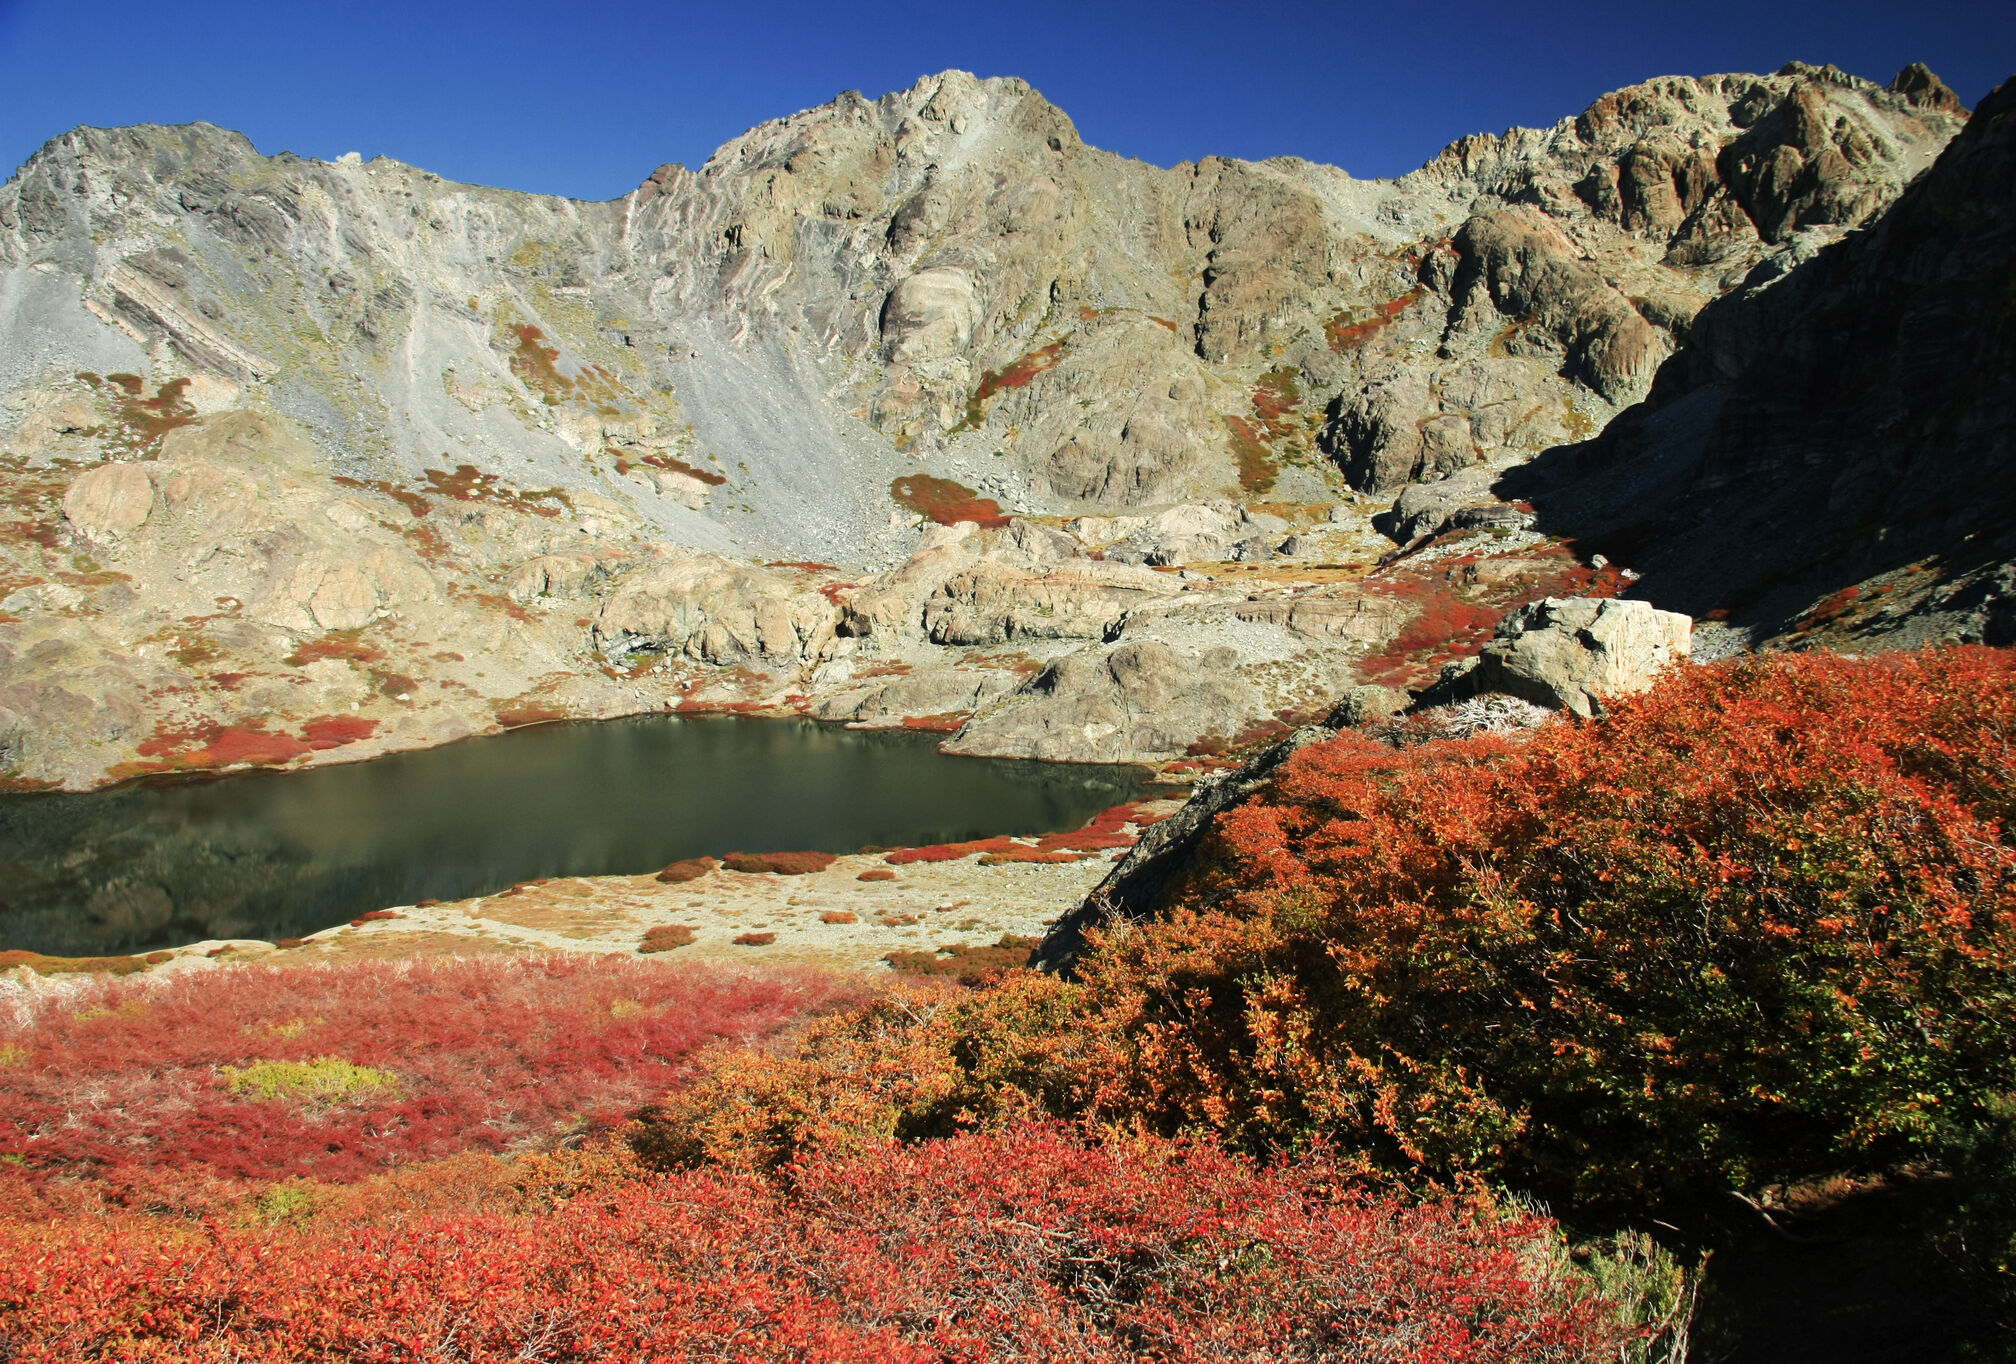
(1756, 926)
(665, 937)
(838, 916)
(488, 1054)
(780, 864)
(688, 869)
(876, 874)
(968, 965)
(1024, 1246)
(375, 915)
(950, 852)
(755, 939)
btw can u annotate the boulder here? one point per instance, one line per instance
(931, 315)
(1425, 508)
(1364, 704)
(108, 502)
(1572, 652)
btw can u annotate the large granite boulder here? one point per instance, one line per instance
(1569, 653)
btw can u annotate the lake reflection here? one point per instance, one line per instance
(270, 855)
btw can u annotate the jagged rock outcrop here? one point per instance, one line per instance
(716, 611)
(1836, 429)
(1133, 703)
(290, 438)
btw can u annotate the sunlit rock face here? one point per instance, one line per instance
(288, 439)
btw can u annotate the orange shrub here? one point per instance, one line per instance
(838, 916)
(665, 937)
(876, 874)
(781, 864)
(1757, 926)
(687, 869)
(755, 939)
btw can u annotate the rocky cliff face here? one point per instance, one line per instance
(291, 443)
(1829, 458)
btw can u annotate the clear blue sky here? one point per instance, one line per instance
(585, 99)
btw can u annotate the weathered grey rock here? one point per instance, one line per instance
(996, 601)
(1136, 702)
(108, 502)
(716, 611)
(886, 703)
(1366, 703)
(1425, 508)
(1569, 653)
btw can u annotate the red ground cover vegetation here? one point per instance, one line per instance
(119, 1079)
(945, 502)
(1025, 1245)
(1105, 830)
(687, 869)
(779, 863)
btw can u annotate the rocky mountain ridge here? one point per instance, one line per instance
(908, 411)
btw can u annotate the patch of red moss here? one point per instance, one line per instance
(467, 483)
(672, 464)
(754, 939)
(139, 422)
(687, 869)
(533, 361)
(950, 852)
(945, 723)
(946, 502)
(1016, 375)
(1347, 332)
(779, 863)
(334, 731)
(373, 917)
(1275, 399)
(1256, 462)
(412, 501)
(344, 646)
(665, 937)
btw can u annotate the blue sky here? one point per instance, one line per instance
(585, 99)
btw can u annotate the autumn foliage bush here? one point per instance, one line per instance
(779, 863)
(119, 1079)
(1025, 1245)
(1755, 927)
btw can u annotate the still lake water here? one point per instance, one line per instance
(282, 854)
